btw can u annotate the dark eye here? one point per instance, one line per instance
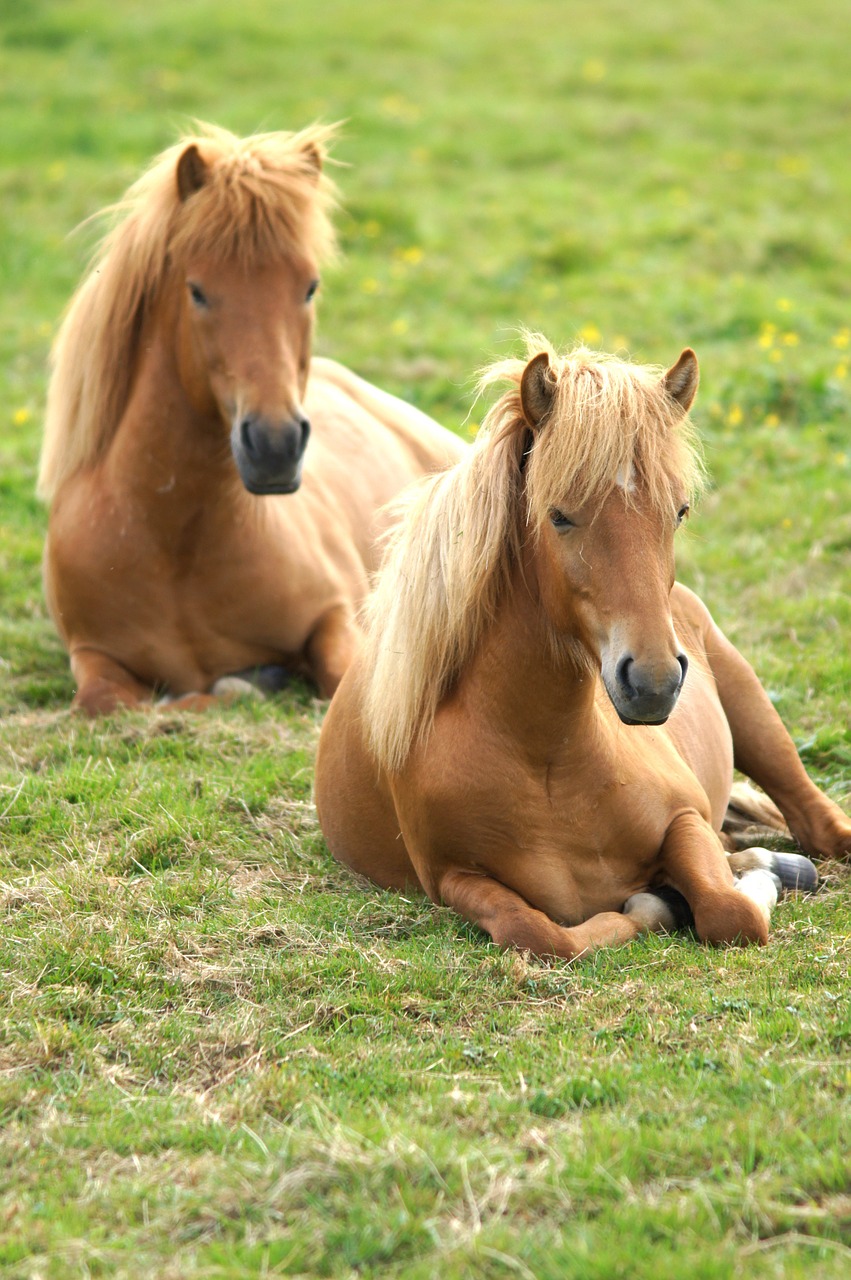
(197, 294)
(311, 291)
(560, 521)
(682, 513)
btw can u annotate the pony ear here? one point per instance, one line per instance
(681, 380)
(191, 172)
(314, 156)
(537, 390)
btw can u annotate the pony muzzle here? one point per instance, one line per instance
(270, 455)
(641, 693)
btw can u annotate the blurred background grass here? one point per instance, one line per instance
(219, 1055)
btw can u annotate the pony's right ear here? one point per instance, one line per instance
(537, 390)
(191, 172)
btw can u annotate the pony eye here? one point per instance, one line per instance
(682, 513)
(560, 521)
(311, 291)
(197, 294)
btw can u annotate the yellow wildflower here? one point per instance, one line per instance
(399, 108)
(735, 416)
(783, 304)
(21, 416)
(400, 325)
(790, 339)
(842, 338)
(370, 285)
(594, 70)
(772, 420)
(590, 333)
(793, 166)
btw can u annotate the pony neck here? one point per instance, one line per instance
(534, 687)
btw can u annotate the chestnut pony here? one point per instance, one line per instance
(193, 530)
(541, 728)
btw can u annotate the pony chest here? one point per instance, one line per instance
(574, 852)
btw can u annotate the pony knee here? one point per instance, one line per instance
(101, 697)
(739, 917)
(523, 931)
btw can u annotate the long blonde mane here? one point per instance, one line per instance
(459, 534)
(264, 198)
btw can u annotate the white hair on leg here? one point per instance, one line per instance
(763, 888)
(661, 910)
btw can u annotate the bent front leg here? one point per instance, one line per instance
(331, 647)
(104, 684)
(764, 752)
(695, 863)
(512, 922)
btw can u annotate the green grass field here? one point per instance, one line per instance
(219, 1055)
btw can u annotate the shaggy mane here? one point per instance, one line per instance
(263, 200)
(459, 533)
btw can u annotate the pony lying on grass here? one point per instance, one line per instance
(541, 728)
(192, 532)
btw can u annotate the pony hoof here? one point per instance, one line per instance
(794, 871)
(236, 687)
(659, 909)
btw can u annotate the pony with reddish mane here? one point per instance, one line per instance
(541, 728)
(193, 533)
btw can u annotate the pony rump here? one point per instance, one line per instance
(257, 199)
(458, 534)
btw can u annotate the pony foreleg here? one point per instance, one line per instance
(764, 752)
(331, 647)
(512, 922)
(104, 684)
(694, 862)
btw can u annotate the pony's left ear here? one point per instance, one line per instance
(681, 380)
(314, 155)
(537, 390)
(191, 172)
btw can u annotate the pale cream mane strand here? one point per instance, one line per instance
(263, 199)
(458, 534)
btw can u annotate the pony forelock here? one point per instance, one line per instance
(262, 198)
(459, 533)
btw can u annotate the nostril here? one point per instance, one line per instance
(304, 426)
(622, 675)
(683, 661)
(246, 439)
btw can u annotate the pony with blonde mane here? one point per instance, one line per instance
(541, 727)
(193, 533)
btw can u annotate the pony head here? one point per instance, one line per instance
(218, 249)
(608, 474)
